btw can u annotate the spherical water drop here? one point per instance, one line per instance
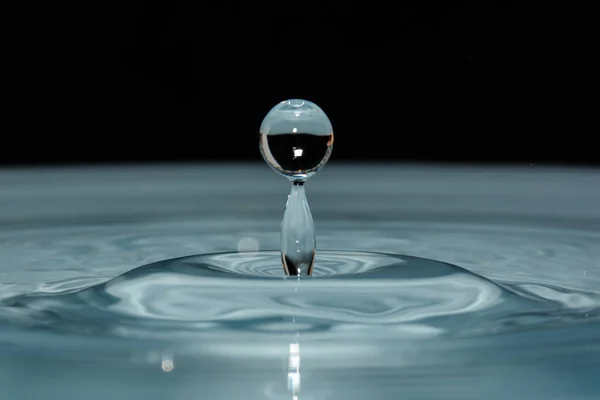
(296, 139)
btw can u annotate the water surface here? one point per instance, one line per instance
(432, 283)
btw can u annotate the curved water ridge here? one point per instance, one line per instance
(352, 295)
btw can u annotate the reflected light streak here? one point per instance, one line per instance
(294, 370)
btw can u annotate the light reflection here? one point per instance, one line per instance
(294, 362)
(167, 364)
(294, 359)
(248, 244)
(294, 370)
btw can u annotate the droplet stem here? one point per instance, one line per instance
(298, 241)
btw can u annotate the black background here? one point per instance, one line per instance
(449, 81)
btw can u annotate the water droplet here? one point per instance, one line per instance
(296, 140)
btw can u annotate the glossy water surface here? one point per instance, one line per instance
(429, 283)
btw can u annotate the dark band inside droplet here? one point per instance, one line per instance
(294, 268)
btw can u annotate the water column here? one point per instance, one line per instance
(296, 140)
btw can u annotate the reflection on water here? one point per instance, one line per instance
(515, 313)
(294, 370)
(361, 314)
(167, 364)
(294, 377)
(352, 295)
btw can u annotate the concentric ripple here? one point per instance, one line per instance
(351, 293)
(229, 326)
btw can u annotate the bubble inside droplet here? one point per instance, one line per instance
(296, 138)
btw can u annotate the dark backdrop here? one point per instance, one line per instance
(464, 81)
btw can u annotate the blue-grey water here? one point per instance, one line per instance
(431, 282)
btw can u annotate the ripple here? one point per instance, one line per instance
(410, 329)
(351, 293)
(266, 264)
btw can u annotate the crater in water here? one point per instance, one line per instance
(351, 295)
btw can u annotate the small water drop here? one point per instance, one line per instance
(296, 140)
